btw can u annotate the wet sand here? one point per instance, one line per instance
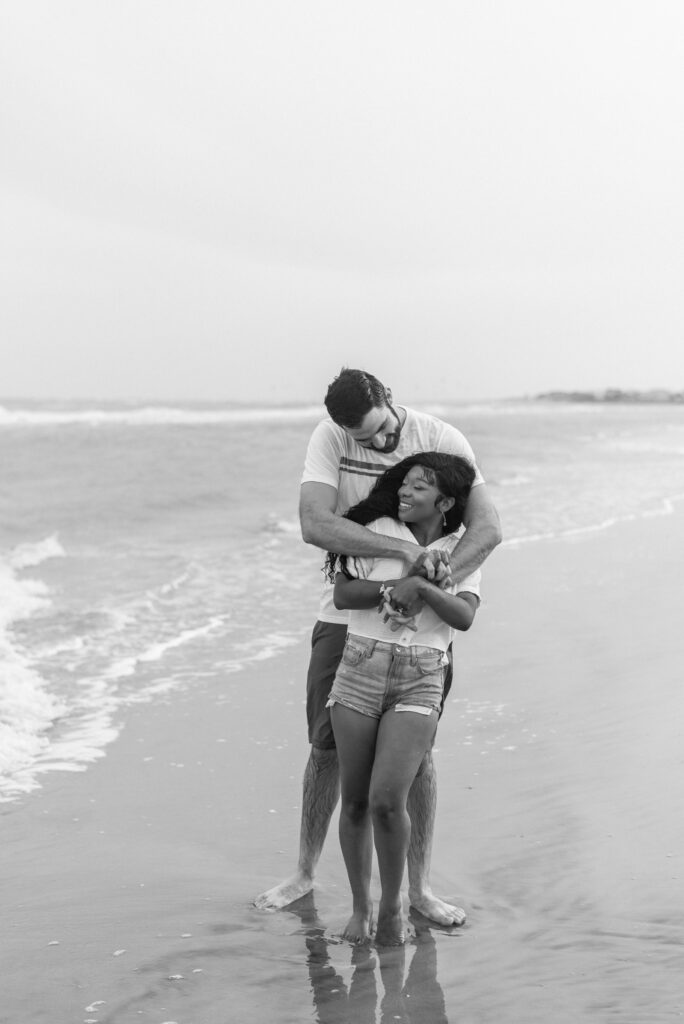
(127, 888)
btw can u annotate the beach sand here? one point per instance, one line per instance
(128, 888)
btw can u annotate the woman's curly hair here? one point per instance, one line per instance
(452, 474)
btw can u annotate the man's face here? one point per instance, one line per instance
(379, 429)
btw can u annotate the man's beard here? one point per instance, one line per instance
(392, 442)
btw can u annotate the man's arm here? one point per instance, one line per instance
(482, 534)
(323, 528)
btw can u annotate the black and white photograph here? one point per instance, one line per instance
(342, 512)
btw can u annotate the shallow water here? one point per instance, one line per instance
(139, 546)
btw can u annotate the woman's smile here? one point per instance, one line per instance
(418, 497)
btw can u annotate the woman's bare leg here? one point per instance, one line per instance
(355, 736)
(403, 738)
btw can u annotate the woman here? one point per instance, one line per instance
(387, 694)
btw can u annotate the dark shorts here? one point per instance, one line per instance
(327, 644)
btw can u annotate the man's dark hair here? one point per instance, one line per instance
(352, 395)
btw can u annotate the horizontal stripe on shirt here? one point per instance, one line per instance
(356, 468)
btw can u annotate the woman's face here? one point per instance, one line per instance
(418, 497)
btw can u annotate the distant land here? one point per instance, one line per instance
(654, 395)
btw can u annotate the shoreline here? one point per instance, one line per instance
(129, 885)
(95, 743)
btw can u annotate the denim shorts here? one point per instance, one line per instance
(375, 676)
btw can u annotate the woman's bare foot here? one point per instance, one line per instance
(284, 893)
(359, 927)
(435, 909)
(390, 931)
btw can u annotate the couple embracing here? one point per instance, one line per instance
(396, 499)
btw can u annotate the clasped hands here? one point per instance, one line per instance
(402, 602)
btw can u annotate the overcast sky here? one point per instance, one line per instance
(230, 200)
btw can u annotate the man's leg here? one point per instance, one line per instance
(320, 793)
(422, 808)
(321, 787)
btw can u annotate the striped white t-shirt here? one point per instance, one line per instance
(334, 458)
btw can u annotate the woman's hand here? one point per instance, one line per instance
(402, 602)
(396, 618)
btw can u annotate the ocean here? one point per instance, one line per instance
(146, 550)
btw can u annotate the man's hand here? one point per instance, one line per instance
(434, 565)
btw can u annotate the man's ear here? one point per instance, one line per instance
(388, 393)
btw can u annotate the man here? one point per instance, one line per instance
(363, 437)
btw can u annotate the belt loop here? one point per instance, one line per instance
(371, 648)
(413, 654)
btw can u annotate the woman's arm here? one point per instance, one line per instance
(351, 593)
(457, 610)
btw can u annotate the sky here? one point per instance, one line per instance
(231, 200)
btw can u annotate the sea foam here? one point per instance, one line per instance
(152, 415)
(27, 709)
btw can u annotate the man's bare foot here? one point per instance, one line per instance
(359, 927)
(390, 931)
(436, 910)
(285, 893)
